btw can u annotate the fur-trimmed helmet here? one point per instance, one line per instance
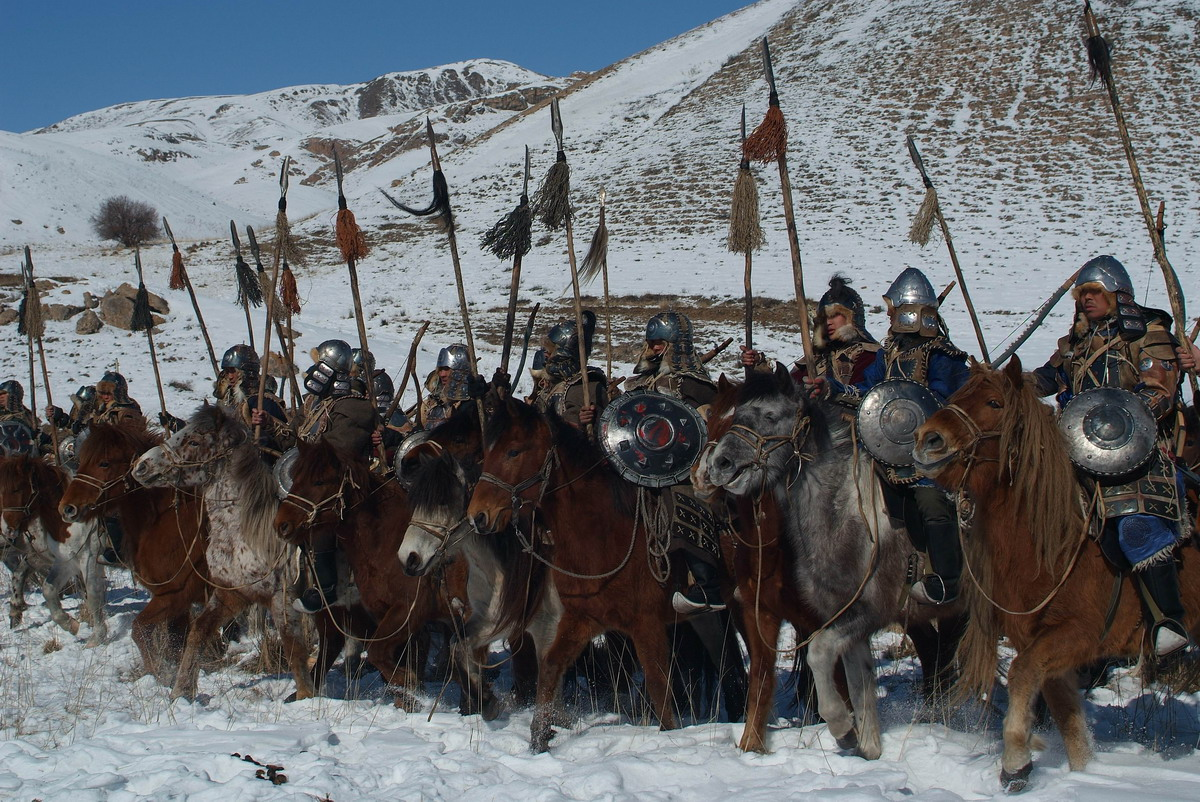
(674, 328)
(841, 299)
(913, 304)
(16, 395)
(669, 326)
(561, 349)
(242, 359)
(113, 382)
(1108, 273)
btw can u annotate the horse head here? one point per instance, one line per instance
(18, 495)
(105, 459)
(324, 483)
(760, 442)
(459, 436)
(192, 456)
(719, 420)
(517, 450)
(952, 440)
(438, 491)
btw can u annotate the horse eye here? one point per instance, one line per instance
(513, 453)
(771, 416)
(994, 404)
(103, 464)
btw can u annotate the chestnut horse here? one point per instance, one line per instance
(166, 534)
(1031, 574)
(30, 490)
(216, 454)
(369, 514)
(601, 577)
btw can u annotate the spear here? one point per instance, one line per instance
(441, 211)
(1038, 316)
(596, 262)
(35, 327)
(143, 320)
(553, 206)
(29, 321)
(768, 143)
(511, 237)
(1100, 59)
(273, 315)
(745, 229)
(931, 209)
(249, 287)
(410, 369)
(180, 280)
(281, 246)
(288, 294)
(525, 345)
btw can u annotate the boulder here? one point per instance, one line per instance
(7, 316)
(60, 312)
(90, 301)
(88, 323)
(157, 302)
(116, 307)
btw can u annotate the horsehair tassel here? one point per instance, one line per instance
(439, 207)
(597, 253)
(249, 287)
(177, 279)
(552, 203)
(512, 235)
(288, 293)
(769, 140)
(350, 238)
(922, 224)
(1099, 56)
(142, 319)
(745, 229)
(32, 324)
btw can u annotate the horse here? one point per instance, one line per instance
(1034, 577)
(30, 490)
(837, 522)
(370, 515)
(590, 519)
(247, 565)
(166, 534)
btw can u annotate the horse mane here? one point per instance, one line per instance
(322, 458)
(249, 473)
(130, 435)
(435, 483)
(828, 427)
(575, 448)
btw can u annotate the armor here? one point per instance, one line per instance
(330, 375)
(674, 328)
(888, 417)
(239, 364)
(1110, 432)
(383, 389)
(283, 471)
(562, 347)
(241, 357)
(16, 438)
(911, 288)
(16, 396)
(1106, 273)
(650, 438)
(356, 359)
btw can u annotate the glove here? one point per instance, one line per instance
(477, 386)
(56, 416)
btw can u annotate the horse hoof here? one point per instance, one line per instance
(73, 628)
(848, 742)
(407, 703)
(291, 697)
(1014, 782)
(540, 743)
(491, 709)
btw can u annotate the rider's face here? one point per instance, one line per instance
(104, 396)
(1095, 303)
(444, 375)
(834, 322)
(657, 346)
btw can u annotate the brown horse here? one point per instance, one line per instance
(166, 534)
(370, 515)
(43, 543)
(601, 577)
(1031, 574)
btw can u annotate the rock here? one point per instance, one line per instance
(116, 307)
(60, 311)
(157, 302)
(88, 323)
(8, 316)
(90, 301)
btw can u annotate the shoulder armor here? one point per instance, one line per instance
(943, 345)
(1158, 342)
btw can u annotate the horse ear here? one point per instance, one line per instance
(783, 378)
(723, 383)
(1013, 371)
(972, 362)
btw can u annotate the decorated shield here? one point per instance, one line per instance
(403, 450)
(15, 438)
(650, 438)
(889, 416)
(1110, 431)
(283, 472)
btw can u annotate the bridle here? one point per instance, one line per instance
(516, 491)
(335, 502)
(26, 510)
(765, 445)
(968, 454)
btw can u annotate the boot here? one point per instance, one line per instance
(324, 591)
(705, 594)
(945, 552)
(111, 555)
(1161, 582)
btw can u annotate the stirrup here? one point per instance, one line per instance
(684, 605)
(110, 558)
(1167, 641)
(310, 601)
(921, 592)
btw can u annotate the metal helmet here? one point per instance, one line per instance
(911, 287)
(336, 354)
(120, 387)
(840, 293)
(563, 337)
(669, 326)
(454, 357)
(356, 359)
(86, 394)
(384, 390)
(539, 359)
(16, 395)
(1108, 273)
(240, 357)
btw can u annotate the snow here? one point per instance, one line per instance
(1032, 182)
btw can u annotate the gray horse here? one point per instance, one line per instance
(851, 559)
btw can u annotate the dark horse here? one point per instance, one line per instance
(166, 534)
(369, 515)
(1033, 575)
(601, 577)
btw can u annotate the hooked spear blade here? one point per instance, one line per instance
(254, 247)
(525, 185)
(170, 235)
(915, 155)
(237, 243)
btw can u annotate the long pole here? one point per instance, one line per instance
(241, 269)
(280, 249)
(410, 369)
(177, 256)
(33, 296)
(273, 315)
(510, 320)
(162, 400)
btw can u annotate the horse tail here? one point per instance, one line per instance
(522, 593)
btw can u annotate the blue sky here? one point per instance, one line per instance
(64, 57)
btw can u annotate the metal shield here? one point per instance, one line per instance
(15, 438)
(889, 416)
(283, 472)
(1109, 431)
(651, 439)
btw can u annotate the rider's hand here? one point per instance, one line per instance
(587, 414)
(816, 387)
(750, 357)
(257, 417)
(1189, 357)
(377, 438)
(614, 386)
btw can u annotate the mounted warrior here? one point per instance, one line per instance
(112, 405)
(559, 379)
(451, 383)
(18, 430)
(1117, 343)
(917, 349)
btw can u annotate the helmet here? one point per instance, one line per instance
(86, 394)
(669, 326)
(115, 383)
(676, 329)
(383, 389)
(240, 357)
(454, 357)
(1108, 273)
(840, 293)
(561, 354)
(356, 359)
(539, 359)
(911, 287)
(16, 395)
(336, 354)
(331, 373)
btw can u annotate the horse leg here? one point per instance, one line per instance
(161, 610)
(1025, 680)
(650, 643)
(222, 606)
(384, 652)
(57, 578)
(524, 660)
(823, 654)
(860, 677)
(573, 634)
(762, 627)
(291, 635)
(16, 604)
(1062, 696)
(330, 623)
(95, 591)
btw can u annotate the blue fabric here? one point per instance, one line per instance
(945, 375)
(1144, 536)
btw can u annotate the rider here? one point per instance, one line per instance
(917, 348)
(396, 427)
(14, 414)
(1115, 342)
(669, 365)
(563, 387)
(347, 420)
(843, 348)
(449, 385)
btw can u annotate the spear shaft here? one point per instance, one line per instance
(162, 400)
(273, 315)
(525, 344)
(510, 321)
(237, 248)
(187, 283)
(280, 248)
(33, 296)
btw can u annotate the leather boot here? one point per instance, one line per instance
(324, 592)
(111, 555)
(943, 547)
(703, 596)
(1161, 582)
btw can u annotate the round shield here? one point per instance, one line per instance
(403, 450)
(889, 416)
(1110, 431)
(15, 438)
(283, 472)
(651, 439)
